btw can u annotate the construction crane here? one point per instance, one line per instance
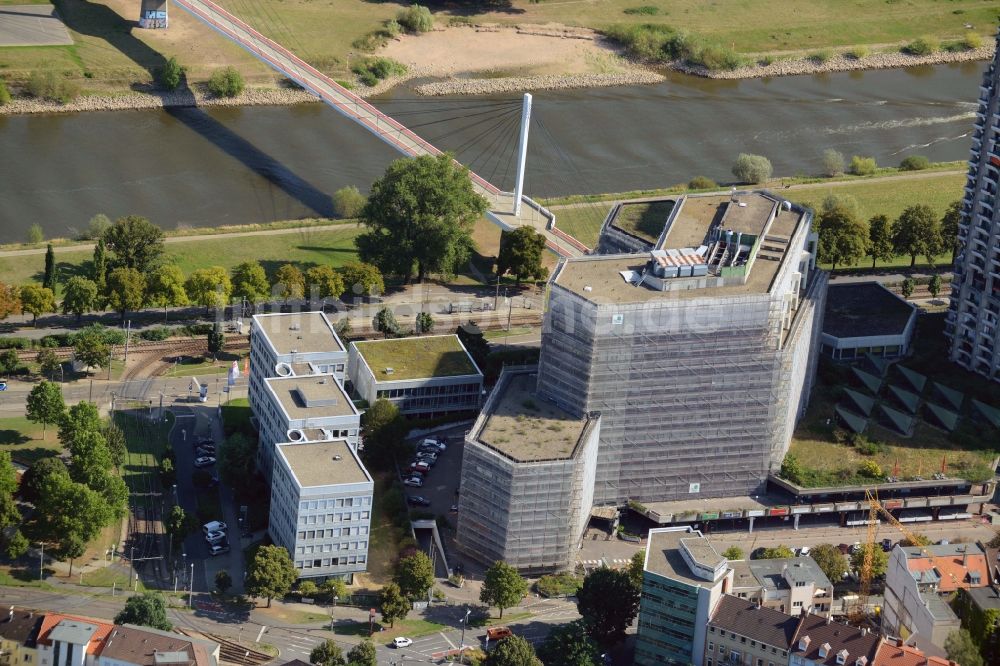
(875, 509)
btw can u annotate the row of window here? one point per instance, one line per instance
(419, 391)
(331, 547)
(323, 519)
(331, 562)
(743, 639)
(306, 535)
(338, 503)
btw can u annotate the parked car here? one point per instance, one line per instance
(401, 642)
(204, 453)
(887, 545)
(428, 455)
(420, 466)
(429, 461)
(204, 461)
(205, 441)
(206, 447)
(803, 551)
(215, 537)
(3, 386)
(214, 526)
(217, 549)
(413, 481)
(498, 633)
(417, 500)
(440, 445)
(856, 547)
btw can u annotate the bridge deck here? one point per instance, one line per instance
(381, 125)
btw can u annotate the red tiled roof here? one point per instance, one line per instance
(93, 647)
(953, 569)
(839, 636)
(893, 653)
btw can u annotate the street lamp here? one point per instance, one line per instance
(465, 623)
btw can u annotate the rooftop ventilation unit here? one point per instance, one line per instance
(295, 327)
(337, 457)
(283, 370)
(389, 371)
(296, 435)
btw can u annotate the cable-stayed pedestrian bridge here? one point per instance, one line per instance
(503, 210)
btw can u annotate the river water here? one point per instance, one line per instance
(220, 165)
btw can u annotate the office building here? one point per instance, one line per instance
(425, 377)
(321, 503)
(974, 310)
(866, 319)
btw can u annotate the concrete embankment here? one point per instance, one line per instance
(552, 82)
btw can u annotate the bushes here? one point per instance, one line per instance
(372, 70)
(661, 43)
(563, 584)
(821, 57)
(14, 343)
(715, 56)
(833, 163)
(702, 183)
(922, 46)
(971, 40)
(226, 82)
(858, 52)
(156, 334)
(348, 202)
(393, 28)
(752, 169)
(46, 86)
(646, 10)
(4, 93)
(862, 166)
(914, 163)
(416, 18)
(169, 76)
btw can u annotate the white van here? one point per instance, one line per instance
(214, 526)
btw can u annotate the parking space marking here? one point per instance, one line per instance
(453, 646)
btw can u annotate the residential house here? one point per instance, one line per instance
(819, 641)
(18, 633)
(744, 632)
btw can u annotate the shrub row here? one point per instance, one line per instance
(661, 43)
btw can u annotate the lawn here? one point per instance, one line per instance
(644, 220)
(23, 439)
(411, 628)
(194, 367)
(413, 358)
(383, 547)
(146, 443)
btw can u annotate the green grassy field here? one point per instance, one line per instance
(23, 439)
(146, 444)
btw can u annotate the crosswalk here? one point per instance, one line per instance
(616, 563)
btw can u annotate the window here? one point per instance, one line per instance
(796, 604)
(711, 647)
(753, 643)
(760, 662)
(317, 563)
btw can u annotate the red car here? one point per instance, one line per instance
(419, 466)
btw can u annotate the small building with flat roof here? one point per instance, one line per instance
(288, 344)
(683, 580)
(424, 376)
(321, 503)
(527, 479)
(865, 318)
(302, 409)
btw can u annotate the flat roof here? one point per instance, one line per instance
(311, 397)
(420, 357)
(862, 309)
(663, 556)
(298, 332)
(317, 464)
(598, 277)
(770, 573)
(525, 427)
(701, 551)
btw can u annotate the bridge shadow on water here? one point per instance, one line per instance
(103, 22)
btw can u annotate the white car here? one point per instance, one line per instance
(215, 537)
(413, 482)
(217, 549)
(803, 551)
(214, 526)
(441, 446)
(204, 461)
(401, 642)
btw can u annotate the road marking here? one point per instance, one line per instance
(453, 646)
(261, 632)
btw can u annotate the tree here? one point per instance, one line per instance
(512, 651)
(327, 653)
(78, 419)
(733, 553)
(324, 282)
(209, 287)
(385, 323)
(608, 602)
(170, 74)
(752, 169)
(49, 276)
(35, 476)
(502, 587)
(569, 645)
(363, 654)
(961, 649)
(35, 234)
(148, 609)
(779, 552)
(829, 558)
(271, 573)
(289, 282)
(420, 213)
(880, 246)
(115, 438)
(393, 604)
(166, 288)
(415, 575)
(833, 163)
(71, 547)
(178, 523)
(843, 236)
(9, 361)
(37, 300)
(237, 460)
(934, 285)
(791, 469)
(68, 512)
(906, 287)
(862, 166)
(99, 266)
(348, 202)
(361, 278)
(17, 545)
(250, 282)
(226, 82)
(10, 300)
(45, 404)
(135, 242)
(223, 581)
(126, 290)
(636, 566)
(90, 349)
(949, 227)
(424, 323)
(383, 430)
(216, 340)
(880, 559)
(79, 297)
(307, 588)
(915, 539)
(10, 515)
(521, 253)
(917, 232)
(96, 227)
(333, 589)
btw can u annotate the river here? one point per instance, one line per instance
(215, 166)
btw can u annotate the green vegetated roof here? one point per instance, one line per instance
(871, 382)
(945, 417)
(904, 423)
(864, 403)
(416, 358)
(880, 365)
(909, 399)
(913, 378)
(950, 394)
(851, 420)
(991, 414)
